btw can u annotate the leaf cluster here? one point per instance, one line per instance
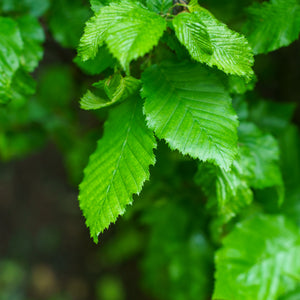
(174, 84)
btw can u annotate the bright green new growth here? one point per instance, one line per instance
(255, 167)
(114, 89)
(259, 260)
(118, 168)
(128, 29)
(273, 24)
(212, 42)
(188, 107)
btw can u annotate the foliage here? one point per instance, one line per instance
(270, 19)
(174, 72)
(124, 154)
(263, 269)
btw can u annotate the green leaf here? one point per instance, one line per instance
(33, 36)
(119, 88)
(192, 33)
(118, 168)
(160, 6)
(91, 101)
(263, 153)
(172, 42)
(210, 41)
(129, 30)
(188, 106)
(20, 52)
(96, 5)
(228, 190)
(22, 85)
(259, 260)
(256, 166)
(116, 88)
(11, 46)
(238, 85)
(273, 24)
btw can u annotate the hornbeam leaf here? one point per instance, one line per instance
(118, 167)
(256, 166)
(114, 89)
(273, 24)
(94, 34)
(193, 34)
(229, 191)
(129, 30)
(119, 88)
(211, 42)
(188, 106)
(91, 101)
(259, 260)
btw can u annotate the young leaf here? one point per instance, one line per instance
(259, 260)
(129, 30)
(210, 41)
(118, 167)
(273, 24)
(116, 88)
(91, 101)
(189, 107)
